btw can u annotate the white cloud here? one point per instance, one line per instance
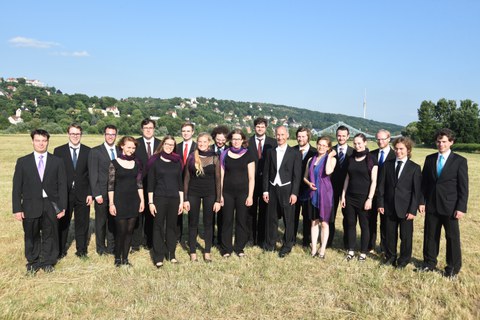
(76, 54)
(32, 43)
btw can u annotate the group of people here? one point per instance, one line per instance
(141, 188)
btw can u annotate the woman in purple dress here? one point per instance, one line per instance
(317, 177)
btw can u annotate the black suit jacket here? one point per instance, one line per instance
(390, 156)
(399, 196)
(290, 169)
(340, 172)
(79, 174)
(141, 152)
(27, 187)
(449, 192)
(310, 153)
(269, 143)
(179, 149)
(98, 163)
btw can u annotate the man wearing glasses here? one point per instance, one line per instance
(383, 153)
(75, 157)
(147, 144)
(98, 163)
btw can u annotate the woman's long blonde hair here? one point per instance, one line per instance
(198, 163)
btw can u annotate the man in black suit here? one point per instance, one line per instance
(344, 151)
(219, 135)
(98, 164)
(399, 192)
(281, 182)
(307, 151)
(147, 144)
(383, 153)
(39, 197)
(445, 193)
(184, 149)
(258, 146)
(75, 157)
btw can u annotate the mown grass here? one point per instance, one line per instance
(260, 286)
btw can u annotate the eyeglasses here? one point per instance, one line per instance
(148, 128)
(237, 139)
(110, 134)
(75, 134)
(169, 144)
(382, 139)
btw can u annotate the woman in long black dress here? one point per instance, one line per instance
(202, 184)
(165, 199)
(238, 182)
(125, 194)
(358, 191)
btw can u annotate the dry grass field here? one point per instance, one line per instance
(260, 286)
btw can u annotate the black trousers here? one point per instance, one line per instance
(372, 226)
(42, 244)
(353, 210)
(307, 223)
(234, 209)
(336, 201)
(217, 220)
(256, 220)
(193, 221)
(82, 223)
(138, 236)
(431, 243)
(104, 229)
(392, 224)
(164, 227)
(279, 204)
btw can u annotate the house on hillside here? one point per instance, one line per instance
(114, 110)
(17, 118)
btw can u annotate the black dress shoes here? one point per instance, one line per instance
(48, 268)
(450, 274)
(283, 254)
(32, 270)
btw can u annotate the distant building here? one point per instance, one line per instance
(17, 118)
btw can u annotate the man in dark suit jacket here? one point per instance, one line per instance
(281, 182)
(258, 146)
(39, 197)
(307, 151)
(383, 153)
(184, 149)
(344, 151)
(98, 164)
(147, 144)
(219, 135)
(445, 193)
(75, 157)
(399, 192)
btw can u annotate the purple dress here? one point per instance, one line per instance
(322, 198)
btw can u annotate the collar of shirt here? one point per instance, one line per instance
(110, 147)
(37, 159)
(305, 148)
(445, 155)
(402, 159)
(73, 146)
(385, 150)
(282, 149)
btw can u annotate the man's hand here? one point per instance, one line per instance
(19, 216)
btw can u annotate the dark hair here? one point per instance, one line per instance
(407, 142)
(259, 121)
(40, 132)
(76, 126)
(445, 132)
(240, 132)
(110, 126)
(219, 130)
(147, 121)
(342, 128)
(361, 135)
(304, 129)
(124, 140)
(160, 146)
(186, 124)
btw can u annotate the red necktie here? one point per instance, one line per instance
(185, 153)
(259, 148)
(149, 150)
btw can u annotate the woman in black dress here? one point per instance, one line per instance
(238, 182)
(358, 191)
(165, 199)
(125, 195)
(202, 184)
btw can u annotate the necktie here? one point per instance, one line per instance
(380, 161)
(41, 167)
(149, 150)
(441, 162)
(112, 154)
(302, 150)
(341, 156)
(219, 151)
(74, 157)
(397, 170)
(185, 153)
(259, 148)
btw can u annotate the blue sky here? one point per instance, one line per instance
(317, 55)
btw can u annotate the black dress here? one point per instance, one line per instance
(125, 187)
